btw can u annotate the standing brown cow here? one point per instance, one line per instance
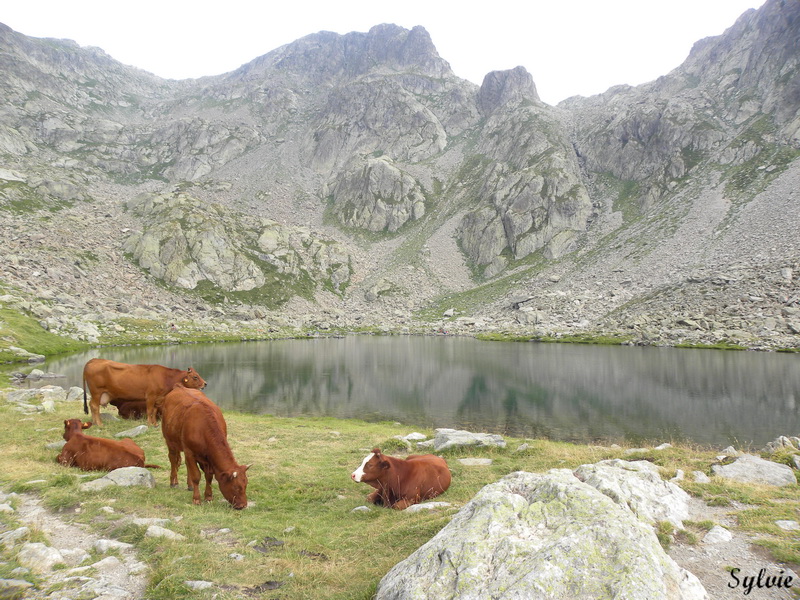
(108, 380)
(191, 423)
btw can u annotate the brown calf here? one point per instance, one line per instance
(193, 424)
(132, 409)
(400, 483)
(97, 454)
(108, 380)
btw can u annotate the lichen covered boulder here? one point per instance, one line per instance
(541, 536)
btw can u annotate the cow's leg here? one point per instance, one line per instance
(174, 463)
(194, 475)
(209, 472)
(98, 399)
(150, 403)
(376, 497)
(402, 504)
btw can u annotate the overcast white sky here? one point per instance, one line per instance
(569, 46)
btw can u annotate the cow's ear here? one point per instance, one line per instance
(189, 370)
(376, 451)
(86, 425)
(66, 422)
(384, 464)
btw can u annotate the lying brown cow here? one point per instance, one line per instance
(191, 423)
(108, 380)
(132, 409)
(400, 483)
(97, 454)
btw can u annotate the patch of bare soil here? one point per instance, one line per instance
(715, 564)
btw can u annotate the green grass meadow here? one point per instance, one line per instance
(299, 538)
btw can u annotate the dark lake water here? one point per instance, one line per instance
(557, 391)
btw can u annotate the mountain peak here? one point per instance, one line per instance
(326, 55)
(502, 87)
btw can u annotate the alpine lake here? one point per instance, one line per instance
(567, 392)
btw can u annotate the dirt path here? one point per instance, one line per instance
(120, 576)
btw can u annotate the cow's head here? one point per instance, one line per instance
(191, 379)
(372, 467)
(73, 426)
(233, 485)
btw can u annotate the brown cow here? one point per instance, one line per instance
(132, 409)
(400, 483)
(108, 380)
(97, 454)
(191, 423)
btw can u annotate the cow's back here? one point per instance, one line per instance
(98, 454)
(429, 472)
(135, 380)
(190, 418)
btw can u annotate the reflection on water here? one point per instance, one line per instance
(559, 391)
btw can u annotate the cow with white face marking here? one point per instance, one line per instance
(400, 483)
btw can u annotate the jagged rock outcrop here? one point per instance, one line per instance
(377, 196)
(528, 179)
(500, 88)
(736, 97)
(186, 241)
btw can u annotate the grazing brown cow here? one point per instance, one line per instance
(193, 424)
(132, 409)
(97, 454)
(400, 483)
(108, 380)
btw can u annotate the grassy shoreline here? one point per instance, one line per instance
(302, 496)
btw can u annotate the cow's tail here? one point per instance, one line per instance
(85, 404)
(153, 467)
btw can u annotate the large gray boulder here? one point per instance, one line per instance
(124, 477)
(39, 557)
(541, 536)
(752, 469)
(638, 486)
(452, 438)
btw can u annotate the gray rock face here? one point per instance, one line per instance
(138, 430)
(186, 242)
(14, 588)
(452, 438)
(752, 469)
(638, 486)
(717, 535)
(541, 535)
(161, 532)
(126, 476)
(39, 557)
(377, 196)
(505, 87)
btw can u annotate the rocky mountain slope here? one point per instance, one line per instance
(347, 180)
